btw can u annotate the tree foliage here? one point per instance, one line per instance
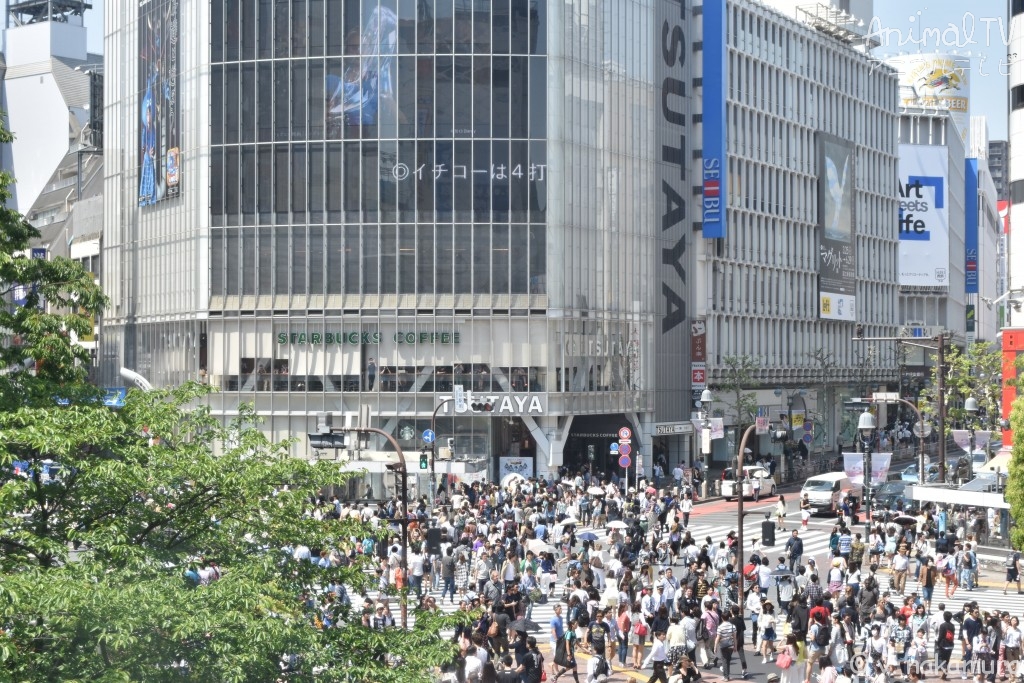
(739, 374)
(975, 372)
(1014, 491)
(93, 560)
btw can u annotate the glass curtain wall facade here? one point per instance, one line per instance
(409, 195)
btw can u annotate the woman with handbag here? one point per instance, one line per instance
(787, 661)
(637, 634)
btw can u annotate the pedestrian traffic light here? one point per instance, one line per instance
(481, 407)
(424, 460)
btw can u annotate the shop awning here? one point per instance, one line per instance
(1000, 463)
(961, 496)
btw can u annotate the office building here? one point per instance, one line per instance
(351, 206)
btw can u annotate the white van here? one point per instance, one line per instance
(824, 491)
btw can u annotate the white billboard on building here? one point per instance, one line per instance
(937, 80)
(924, 216)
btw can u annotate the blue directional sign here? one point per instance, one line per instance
(429, 436)
(614, 448)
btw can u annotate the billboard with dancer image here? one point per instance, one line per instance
(365, 88)
(159, 119)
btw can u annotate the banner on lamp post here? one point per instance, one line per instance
(962, 438)
(853, 466)
(717, 428)
(761, 421)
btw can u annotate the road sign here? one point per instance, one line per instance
(625, 462)
(429, 436)
(625, 449)
(625, 433)
(808, 437)
(614, 448)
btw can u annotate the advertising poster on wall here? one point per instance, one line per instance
(365, 88)
(159, 118)
(937, 80)
(924, 216)
(510, 465)
(837, 266)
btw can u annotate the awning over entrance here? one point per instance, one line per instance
(1000, 463)
(961, 496)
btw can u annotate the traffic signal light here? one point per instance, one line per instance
(424, 460)
(481, 407)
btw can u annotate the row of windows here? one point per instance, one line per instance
(402, 182)
(820, 61)
(260, 29)
(779, 143)
(389, 259)
(779, 343)
(759, 244)
(444, 97)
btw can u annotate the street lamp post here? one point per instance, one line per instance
(405, 508)
(433, 450)
(866, 427)
(705, 438)
(971, 407)
(739, 512)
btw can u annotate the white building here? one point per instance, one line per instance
(810, 248)
(983, 236)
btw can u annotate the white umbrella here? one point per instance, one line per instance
(539, 546)
(617, 524)
(595, 491)
(747, 450)
(569, 520)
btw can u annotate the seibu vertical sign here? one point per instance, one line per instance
(714, 159)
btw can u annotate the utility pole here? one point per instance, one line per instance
(739, 514)
(433, 451)
(941, 397)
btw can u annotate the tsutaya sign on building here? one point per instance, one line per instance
(501, 404)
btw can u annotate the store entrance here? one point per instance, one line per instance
(589, 444)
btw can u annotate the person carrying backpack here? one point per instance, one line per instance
(818, 637)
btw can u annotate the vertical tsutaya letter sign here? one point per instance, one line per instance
(971, 227)
(159, 118)
(714, 163)
(924, 216)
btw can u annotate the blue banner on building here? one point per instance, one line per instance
(714, 164)
(971, 227)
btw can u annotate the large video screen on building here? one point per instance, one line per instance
(159, 118)
(837, 253)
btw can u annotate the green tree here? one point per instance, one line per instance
(739, 374)
(94, 560)
(1014, 492)
(977, 372)
(61, 301)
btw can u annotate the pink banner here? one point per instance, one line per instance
(853, 466)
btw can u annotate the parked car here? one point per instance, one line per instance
(885, 496)
(910, 474)
(750, 473)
